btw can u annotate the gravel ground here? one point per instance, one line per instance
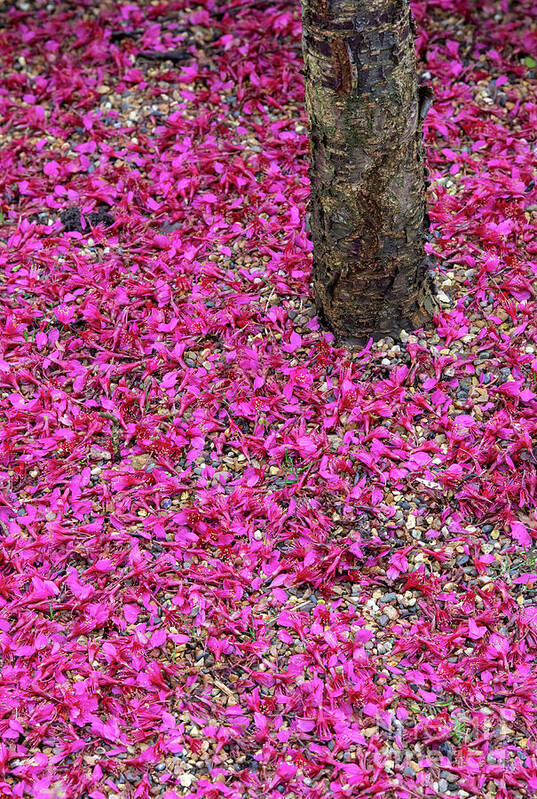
(236, 559)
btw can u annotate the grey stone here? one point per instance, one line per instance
(446, 749)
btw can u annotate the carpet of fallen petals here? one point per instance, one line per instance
(237, 560)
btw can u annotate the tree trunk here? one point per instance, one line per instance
(367, 210)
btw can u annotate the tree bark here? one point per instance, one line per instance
(368, 214)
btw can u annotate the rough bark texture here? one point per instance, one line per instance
(367, 211)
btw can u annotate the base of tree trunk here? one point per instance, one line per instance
(367, 210)
(418, 313)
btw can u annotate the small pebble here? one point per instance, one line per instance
(446, 749)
